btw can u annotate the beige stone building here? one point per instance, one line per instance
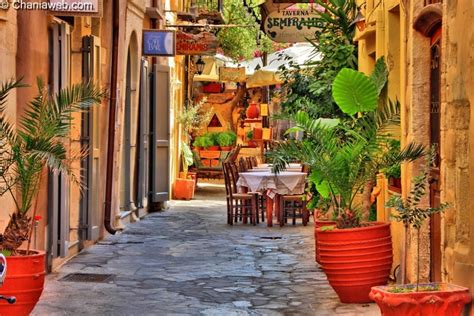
(428, 48)
(127, 179)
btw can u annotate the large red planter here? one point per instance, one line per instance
(25, 281)
(318, 224)
(448, 301)
(355, 259)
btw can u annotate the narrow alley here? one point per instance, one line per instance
(188, 261)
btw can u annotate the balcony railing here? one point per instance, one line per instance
(208, 5)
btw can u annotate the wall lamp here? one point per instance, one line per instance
(359, 20)
(200, 65)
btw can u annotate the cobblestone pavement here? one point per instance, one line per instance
(187, 261)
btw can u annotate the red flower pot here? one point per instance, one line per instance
(356, 259)
(449, 300)
(252, 111)
(226, 148)
(319, 224)
(213, 148)
(183, 189)
(25, 281)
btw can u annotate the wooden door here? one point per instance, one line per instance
(90, 200)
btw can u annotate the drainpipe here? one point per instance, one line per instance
(112, 110)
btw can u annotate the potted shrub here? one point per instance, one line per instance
(26, 151)
(345, 157)
(226, 140)
(418, 299)
(183, 188)
(250, 140)
(212, 137)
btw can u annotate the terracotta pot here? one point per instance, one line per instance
(213, 148)
(356, 259)
(193, 176)
(25, 281)
(448, 301)
(183, 189)
(318, 224)
(252, 111)
(226, 148)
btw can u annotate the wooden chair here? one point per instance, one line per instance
(254, 161)
(249, 162)
(240, 206)
(294, 206)
(243, 166)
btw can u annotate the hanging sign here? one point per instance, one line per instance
(69, 7)
(159, 43)
(292, 26)
(229, 74)
(204, 43)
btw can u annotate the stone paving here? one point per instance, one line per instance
(187, 261)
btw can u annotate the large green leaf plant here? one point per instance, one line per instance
(344, 155)
(35, 143)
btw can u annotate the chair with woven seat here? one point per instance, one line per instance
(240, 206)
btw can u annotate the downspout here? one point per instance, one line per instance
(112, 110)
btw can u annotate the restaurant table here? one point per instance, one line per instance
(273, 185)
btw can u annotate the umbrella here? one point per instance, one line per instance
(298, 54)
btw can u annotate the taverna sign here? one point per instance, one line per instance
(292, 26)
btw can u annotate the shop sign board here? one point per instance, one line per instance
(230, 74)
(204, 43)
(159, 43)
(292, 25)
(74, 7)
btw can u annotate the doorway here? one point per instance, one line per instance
(89, 218)
(435, 132)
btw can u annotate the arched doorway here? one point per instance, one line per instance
(127, 194)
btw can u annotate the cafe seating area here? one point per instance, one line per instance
(255, 194)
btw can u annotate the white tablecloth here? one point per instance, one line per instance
(284, 183)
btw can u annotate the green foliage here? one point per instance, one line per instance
(354, 92)
(393, 171)
(250, 134)
(194, 117)
(227, 138)
(241, 42)
(309, 88)
(37, 142)
(410, 213)
(204, 141)
(187, 156)
(344, 157)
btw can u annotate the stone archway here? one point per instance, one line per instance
(127, 203)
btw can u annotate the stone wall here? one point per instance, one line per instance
(457, 136)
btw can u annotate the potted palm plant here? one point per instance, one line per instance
(344, 156)
(437, 299)
(26, 151)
